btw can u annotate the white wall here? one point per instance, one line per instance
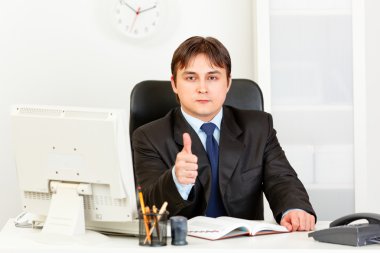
(311, 88)
(69, 53)
(373, 92)
(369, 174)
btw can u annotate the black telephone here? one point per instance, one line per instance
(341, 232)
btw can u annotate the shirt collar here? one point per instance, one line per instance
(197, 123)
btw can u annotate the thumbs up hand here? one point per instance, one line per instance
(186, 164)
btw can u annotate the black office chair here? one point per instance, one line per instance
(151, 100)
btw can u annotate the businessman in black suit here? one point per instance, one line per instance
(223, 172)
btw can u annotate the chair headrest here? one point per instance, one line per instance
(151, 100)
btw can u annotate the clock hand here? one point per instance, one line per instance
(147, 9)
(134, 20)
(130, 7)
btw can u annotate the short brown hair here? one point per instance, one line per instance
(193, 46)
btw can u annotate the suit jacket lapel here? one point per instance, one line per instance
(230, 148)
(204, 170)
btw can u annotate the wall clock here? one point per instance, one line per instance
(138, 18)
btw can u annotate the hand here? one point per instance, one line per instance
(186, 164)
(130, 7)
(147, 9)
(298, 220)
(134, 20)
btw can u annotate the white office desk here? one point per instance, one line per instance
(26, 240)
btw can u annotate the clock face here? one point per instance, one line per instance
(137, 18)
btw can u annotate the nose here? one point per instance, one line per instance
(202, 88)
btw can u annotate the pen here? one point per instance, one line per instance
(143, 213)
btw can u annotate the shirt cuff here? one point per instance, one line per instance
(183, 189)
(287, 211)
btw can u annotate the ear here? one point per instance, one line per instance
(174, 86)
(229, 83)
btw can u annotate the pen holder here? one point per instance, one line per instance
(152, 229)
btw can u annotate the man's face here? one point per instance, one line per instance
(201, 88)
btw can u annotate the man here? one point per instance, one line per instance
(208, 159)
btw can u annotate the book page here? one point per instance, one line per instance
(256, 226)
(214, 228)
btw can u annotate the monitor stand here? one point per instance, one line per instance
(65, 222)
(66, 213)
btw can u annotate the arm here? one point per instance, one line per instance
(153, 164)
(282, 187)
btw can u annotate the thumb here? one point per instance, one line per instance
(186, 143)
(285, 222)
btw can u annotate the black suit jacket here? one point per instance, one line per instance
(251, 161)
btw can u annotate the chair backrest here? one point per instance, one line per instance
(151, 100)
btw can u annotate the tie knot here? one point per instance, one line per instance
(208, 128)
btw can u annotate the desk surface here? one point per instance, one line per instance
(29, 240)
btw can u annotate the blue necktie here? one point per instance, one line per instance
(215, 206)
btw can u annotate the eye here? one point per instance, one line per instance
(190, 78)
(212, 78)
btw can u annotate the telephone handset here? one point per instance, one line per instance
(342, 232)
(372, 218)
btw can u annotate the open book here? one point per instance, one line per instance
(225, 227)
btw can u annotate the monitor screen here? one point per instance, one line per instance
(74, 168)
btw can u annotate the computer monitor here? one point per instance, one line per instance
(75, 168)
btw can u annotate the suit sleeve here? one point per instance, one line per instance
(154, 175)
(282, 187)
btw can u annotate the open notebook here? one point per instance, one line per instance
(226, 227)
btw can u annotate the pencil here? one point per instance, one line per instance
(143, 213)
(162, 211)
(155, 224)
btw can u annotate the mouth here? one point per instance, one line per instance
(203, 101)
